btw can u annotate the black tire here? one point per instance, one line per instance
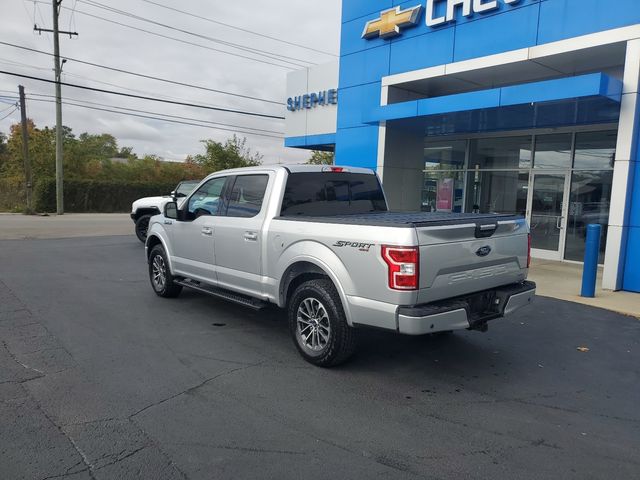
(334, 345)
(159, 267)
(142, 227)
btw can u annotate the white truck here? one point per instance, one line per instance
(321, 243)
(144, 208)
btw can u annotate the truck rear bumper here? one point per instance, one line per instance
(467, 312)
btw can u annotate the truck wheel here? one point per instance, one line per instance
(318, 324)
(142, 226)
(160, 276)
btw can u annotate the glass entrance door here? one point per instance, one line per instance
(548, 214)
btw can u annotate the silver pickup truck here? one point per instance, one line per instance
(321, 243)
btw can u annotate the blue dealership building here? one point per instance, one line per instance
(514, 106)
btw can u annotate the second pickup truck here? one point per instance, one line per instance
(321, 243)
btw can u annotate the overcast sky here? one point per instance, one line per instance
(313, 24)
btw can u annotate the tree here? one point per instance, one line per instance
(234, 153)
(4, 153)
(321, 158)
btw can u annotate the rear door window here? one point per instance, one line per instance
(332, 193)
(247, 196)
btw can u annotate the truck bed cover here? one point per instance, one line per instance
(406, 219)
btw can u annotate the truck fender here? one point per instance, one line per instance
(324, 260)
(157, 235)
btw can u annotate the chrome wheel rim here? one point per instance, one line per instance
(313, 326)
(159, 272)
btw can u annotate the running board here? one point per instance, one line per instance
(238, 298)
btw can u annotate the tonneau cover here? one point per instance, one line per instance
(406, 219)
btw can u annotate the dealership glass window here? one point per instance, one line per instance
(553, 151)
(500, 153)
(443, 191)
(595, 150)
(497, 191)
(445, 155)
(588, 204)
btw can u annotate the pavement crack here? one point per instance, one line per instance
(20, 382)
(83, 457)
(119, 458)
(194, 388)
(90, 422)
(239, 448)
(207, 357)
(68, 472)
(156, 445)
(26, 367)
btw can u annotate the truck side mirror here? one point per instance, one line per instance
(171, 210)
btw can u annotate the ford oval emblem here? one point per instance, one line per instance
(483, 251)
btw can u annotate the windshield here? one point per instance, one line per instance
(185, 188)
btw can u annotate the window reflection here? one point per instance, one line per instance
(443, 191)
(588, 204)
(497, 192)
(497, 176)
(498, 153)
(595, 150)
(445, 155)
(553, 151)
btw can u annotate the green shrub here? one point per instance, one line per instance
(12, 194)
(95, 195)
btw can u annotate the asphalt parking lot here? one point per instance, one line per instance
(101, 379)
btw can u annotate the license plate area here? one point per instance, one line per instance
(483, 306)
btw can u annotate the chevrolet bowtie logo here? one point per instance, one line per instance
(391, 21)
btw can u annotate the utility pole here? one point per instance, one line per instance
(58, 73)
(25, 149)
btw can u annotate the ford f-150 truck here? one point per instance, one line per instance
(321, 243)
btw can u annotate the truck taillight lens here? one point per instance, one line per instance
(404, 265)
(529, 251)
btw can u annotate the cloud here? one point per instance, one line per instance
(131, 129)
(129, 49)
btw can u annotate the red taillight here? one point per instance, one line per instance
(335, 169)
(404, 265)
(529, 251)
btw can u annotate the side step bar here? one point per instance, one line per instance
(238, 298)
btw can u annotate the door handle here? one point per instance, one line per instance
(208, 231)
(559, 223)
(168, 222)
(250, 236)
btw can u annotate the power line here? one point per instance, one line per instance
(9, 114)
(186, 42)
(156, 113)
(150, 77)
(162, 119)
(13, 105)
(143, 97)
(274, 56)
(241, 129)
(276, 39)
(6, 61)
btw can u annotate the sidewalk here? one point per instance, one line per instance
(19, 227)
(564, 280)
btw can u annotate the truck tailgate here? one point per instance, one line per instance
(458, 259)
